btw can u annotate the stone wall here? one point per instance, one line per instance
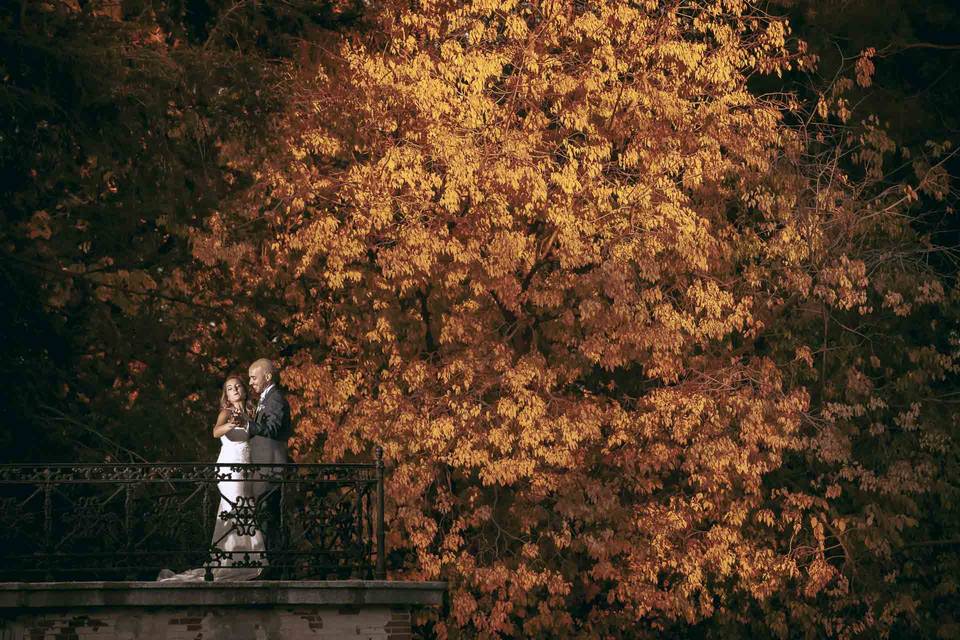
(360, 610)
(210, 623)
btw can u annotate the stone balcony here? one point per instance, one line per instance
(261, 610)
(81, 546)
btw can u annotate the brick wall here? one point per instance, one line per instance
(291, 622)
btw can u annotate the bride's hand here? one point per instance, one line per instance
(238, 434)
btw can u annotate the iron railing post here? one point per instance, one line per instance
(47, 524)
(128, 527)
(368, 529)
(381, 541)
(207, 524)
(288, 559)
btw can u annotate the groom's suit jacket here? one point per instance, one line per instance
(272, 419)
(269, 430)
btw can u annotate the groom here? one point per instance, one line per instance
(269, 430)
(270, 427)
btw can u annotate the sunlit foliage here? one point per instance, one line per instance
(620, 323)
(649, 351)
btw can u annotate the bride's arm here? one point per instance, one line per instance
(223, 425)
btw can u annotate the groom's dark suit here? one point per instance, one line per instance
(273, 417)
(269, 431)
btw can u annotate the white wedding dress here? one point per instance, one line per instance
(245, 547)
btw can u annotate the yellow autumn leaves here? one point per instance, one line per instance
(558, 259)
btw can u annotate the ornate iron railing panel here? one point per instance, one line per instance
(130, 521)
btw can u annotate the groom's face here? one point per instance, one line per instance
(259, 379)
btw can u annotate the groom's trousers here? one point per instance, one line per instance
(274, 533)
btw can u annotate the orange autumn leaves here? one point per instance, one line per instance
(561, 264)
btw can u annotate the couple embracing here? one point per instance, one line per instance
(253, 427)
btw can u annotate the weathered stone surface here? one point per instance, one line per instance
(207, 623)
(258, 592)
(264, 610)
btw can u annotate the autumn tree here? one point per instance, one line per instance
(657, 329)
(884, 80)
(124, 125)
(613, 316)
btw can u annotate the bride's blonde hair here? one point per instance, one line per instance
(248, 405)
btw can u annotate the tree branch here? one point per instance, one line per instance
(431, 344)
(63, 273)
(894, 49)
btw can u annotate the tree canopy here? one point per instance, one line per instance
(657, 325)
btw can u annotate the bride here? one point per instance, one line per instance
(242, 543)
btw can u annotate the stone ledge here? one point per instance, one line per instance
(48, 595)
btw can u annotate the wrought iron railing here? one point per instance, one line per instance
(131, 521)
